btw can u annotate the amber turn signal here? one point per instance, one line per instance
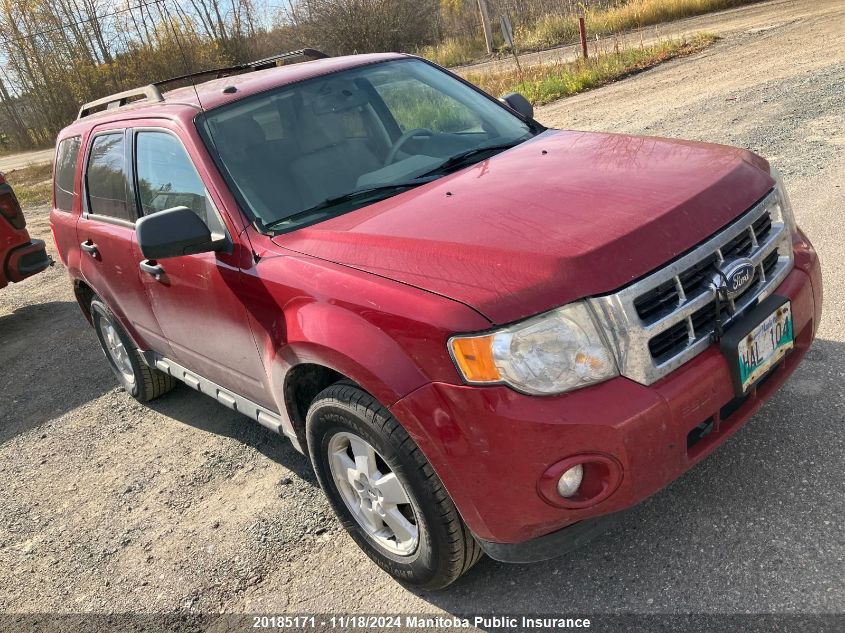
(474, 357)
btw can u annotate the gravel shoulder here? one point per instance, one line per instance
(185, 507)
(26, 159)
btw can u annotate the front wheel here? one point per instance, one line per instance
(384, 491)
(141, 381)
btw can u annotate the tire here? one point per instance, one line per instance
(142, 382)
(444, 548)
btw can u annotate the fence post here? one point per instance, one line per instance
(582, 29)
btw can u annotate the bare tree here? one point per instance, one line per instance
(56, 54)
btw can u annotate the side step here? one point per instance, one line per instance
(250, 409)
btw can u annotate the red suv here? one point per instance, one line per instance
(489, 336)
(20, 256)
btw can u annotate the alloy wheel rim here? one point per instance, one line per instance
(373, 494)
(117, 350)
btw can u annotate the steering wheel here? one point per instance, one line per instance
(400, 143)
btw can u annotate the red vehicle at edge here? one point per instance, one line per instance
(487, 335)
(20, 256)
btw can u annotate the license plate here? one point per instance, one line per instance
(765, 345)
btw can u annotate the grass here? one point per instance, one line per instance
(454, 51)
(553, 30)
(545, 83)
(32, 185)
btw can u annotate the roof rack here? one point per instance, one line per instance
(150, 93)
(153, 91)
(260, 64)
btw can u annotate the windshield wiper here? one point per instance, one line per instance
(379, 191)
(459, 160)
(387, 189)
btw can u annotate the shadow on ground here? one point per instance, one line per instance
(50, 363)
(199, 411)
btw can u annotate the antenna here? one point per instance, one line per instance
(184, 56)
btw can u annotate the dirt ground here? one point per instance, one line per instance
(183, 506)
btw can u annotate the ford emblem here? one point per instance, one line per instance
(736, 276)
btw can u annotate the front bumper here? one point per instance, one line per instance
(27, 260)
(490, 446)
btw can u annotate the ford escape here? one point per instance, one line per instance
(487, 335)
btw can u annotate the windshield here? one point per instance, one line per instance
(311, 150)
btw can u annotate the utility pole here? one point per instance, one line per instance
(484, 10)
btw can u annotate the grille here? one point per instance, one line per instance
(696, 279)
(669, 316)
(673, 340)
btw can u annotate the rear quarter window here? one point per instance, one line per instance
(67, 157)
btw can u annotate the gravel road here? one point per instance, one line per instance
(185, 507)
(722, 23)
(26, 159)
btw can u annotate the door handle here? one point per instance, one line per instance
(89, 247)
(151, 268)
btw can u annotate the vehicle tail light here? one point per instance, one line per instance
(9, 206)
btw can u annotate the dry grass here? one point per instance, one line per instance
(32, 185)
(554, 30)
(454, 51)
(547, 82)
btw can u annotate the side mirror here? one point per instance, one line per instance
(516, 101)
(175, 232)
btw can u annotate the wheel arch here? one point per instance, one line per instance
(313, 356)
(84, 294)
(312, 372)
(302, 384)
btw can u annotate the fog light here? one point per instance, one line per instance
(580, 481)
(570, 481)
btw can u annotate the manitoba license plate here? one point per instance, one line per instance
(765, 345)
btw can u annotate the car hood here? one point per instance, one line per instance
(563, 216)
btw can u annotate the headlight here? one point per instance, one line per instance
(782, 208)
(548, 354)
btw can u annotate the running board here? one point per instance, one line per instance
(250, 409)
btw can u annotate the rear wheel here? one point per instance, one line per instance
(139, 379)
(384, 491)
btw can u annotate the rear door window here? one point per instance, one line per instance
(67, 156)
(106, 178)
